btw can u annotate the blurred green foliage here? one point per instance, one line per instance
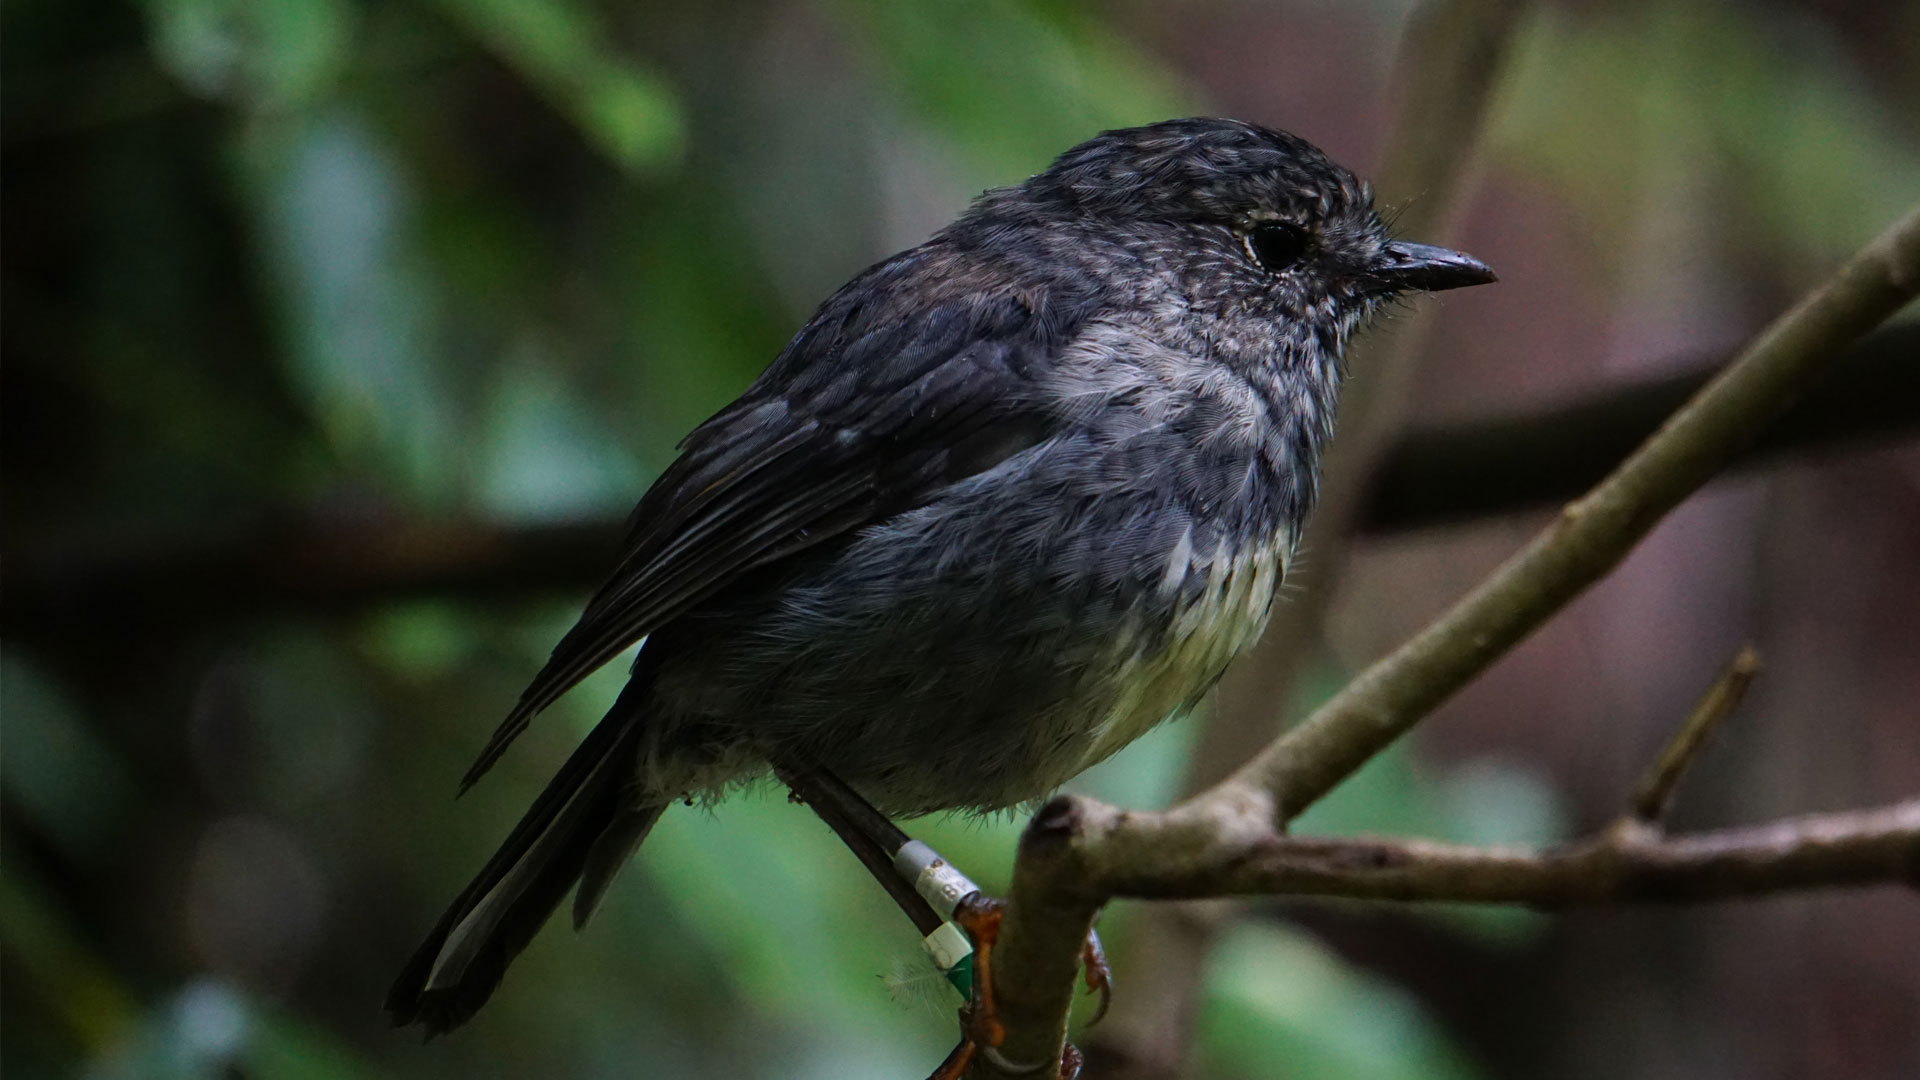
(1615, 107)
(492, 257)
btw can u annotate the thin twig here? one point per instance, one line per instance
(1651, 799)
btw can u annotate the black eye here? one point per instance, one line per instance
(1276, 245)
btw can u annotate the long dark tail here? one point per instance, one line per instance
(581, 829)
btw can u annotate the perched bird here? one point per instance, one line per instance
(1007, 501)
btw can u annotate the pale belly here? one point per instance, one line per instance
(945, 707)
(1151, 685)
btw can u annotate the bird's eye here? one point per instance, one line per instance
(1276, 245)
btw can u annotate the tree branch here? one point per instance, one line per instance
(1629, 862)
(1078, 852)
(1594, 533)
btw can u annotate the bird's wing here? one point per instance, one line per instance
(913, 376)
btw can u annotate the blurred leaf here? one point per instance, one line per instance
(1015, 83)
(1388, 796)
(557, 45)
(422, 640)
(544, 456)
(286, 1046)
(48, 960)
(1613, 103)
(332, 216)
(261, 54)
(1498, 801)
(1482, 801)
(1280, 1004)
(208, 1030)
(801, 929)
(58, 773)
(698, 313)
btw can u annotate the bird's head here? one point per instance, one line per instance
(1248, 220)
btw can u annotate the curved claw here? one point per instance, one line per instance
(1098, 974)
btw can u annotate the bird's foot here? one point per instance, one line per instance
(981, 1032)
(958, 1062)
(1093, 962)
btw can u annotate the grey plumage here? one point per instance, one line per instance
(1007, 501)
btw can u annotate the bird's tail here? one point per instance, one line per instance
(582, 828)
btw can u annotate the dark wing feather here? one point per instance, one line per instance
(885, 396)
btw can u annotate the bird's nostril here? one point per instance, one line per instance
(1406, 265)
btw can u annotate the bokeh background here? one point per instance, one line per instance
(332, 328)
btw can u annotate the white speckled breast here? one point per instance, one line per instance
(1211, 625)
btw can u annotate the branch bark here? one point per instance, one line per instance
(1077, 852)
(1629, 862)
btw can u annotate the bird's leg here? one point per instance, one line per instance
(931, 892)
(879, 845)
(869, 834)
(981, 1031)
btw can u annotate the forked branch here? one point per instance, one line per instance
(1077, 853)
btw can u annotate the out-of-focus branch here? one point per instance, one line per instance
(307, 564)
(320, 565)
(1465, 471)
(1078, 852)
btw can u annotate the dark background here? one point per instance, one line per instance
(336, 335)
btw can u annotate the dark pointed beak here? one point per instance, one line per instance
(1404, 265)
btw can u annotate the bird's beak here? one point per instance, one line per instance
(1404, 265)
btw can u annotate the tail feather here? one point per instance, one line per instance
(611, 850)
(457, 968)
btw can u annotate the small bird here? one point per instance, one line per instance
(1007, 501)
